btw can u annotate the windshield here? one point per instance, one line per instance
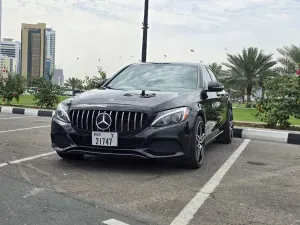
(156, 77)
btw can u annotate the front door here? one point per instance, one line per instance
(212, 105)
(222, 99)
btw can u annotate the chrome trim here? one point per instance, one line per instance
(116, 118)
(87, 120)
(128, 122)
(135, 121)
(77, 122)
(141, 121)
(110, 117)
(82, 119)
(92, 122)
(122, 121)
(73, 115)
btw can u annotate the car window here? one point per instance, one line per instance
(156, 77)
(206, 77)
(212, 75)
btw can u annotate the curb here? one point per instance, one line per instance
(27, 111)
(288, 137)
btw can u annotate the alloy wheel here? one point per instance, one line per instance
(231, 125)
(200, 143)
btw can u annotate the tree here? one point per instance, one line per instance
(92, 83)
(247, 67)
(47, 94)
(102, 73)
(12, 87)
(264, 77)
(217, 69)
(282, 101)
(74, 83)
(290, 59)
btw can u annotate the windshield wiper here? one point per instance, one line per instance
(109, 87)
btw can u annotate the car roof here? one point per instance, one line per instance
(170, 63)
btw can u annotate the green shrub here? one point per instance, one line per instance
(12, 87)
(47, 94)
(281, 102)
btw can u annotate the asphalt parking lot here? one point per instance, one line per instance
(247, 182)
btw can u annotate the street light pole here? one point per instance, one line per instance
(0, 23)
(145, 31)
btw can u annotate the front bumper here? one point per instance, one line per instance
(165, 142)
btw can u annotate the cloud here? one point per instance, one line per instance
(109, 29)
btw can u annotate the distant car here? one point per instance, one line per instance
(146, 110)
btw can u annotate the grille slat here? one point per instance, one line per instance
(135, 121)
(121, 121)
(78, 118)
(82, 119)
(128, 122)
(87, 120)
(141, 121)
(92, 121)
(111, 123)
(116, 121)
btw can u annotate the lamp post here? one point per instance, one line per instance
(145, 31)
(0, 23)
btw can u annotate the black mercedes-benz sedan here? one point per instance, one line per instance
(147, 110)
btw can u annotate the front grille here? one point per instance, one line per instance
(121, 121)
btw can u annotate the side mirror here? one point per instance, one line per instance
(215, 87)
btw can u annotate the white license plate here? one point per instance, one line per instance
(105, 139)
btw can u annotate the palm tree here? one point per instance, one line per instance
(266, 75)
(290, 59)
(217, 69)
(247, 68)
(73, 83)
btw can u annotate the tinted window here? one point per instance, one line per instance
(156, 77)
(206, 77)
(212, 75)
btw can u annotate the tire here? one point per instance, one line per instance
(227, 135)
(195, 156)
(70, 156)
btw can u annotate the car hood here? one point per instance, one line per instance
(155, 100)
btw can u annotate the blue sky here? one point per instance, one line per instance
(109, 29)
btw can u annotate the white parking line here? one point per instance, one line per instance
(21, 129)
(31, 158)
(7, 118)
(114, 222)
(26, 159)
(193, 206)
(3, 164)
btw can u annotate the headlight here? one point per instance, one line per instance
(61, 113)
(170, 117)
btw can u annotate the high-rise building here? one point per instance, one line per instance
(33, 50)
(48, 69)
(50, 36)
(12, 48)
(8, 65)
(59, 78)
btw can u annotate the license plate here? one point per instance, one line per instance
(105, 139)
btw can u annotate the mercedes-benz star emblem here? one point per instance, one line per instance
(103, 121)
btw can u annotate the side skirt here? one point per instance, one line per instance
(213, 138)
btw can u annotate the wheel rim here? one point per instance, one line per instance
(231, 125)
(200, 142)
